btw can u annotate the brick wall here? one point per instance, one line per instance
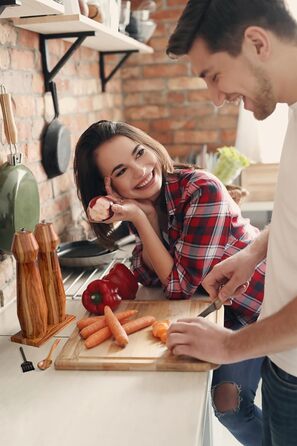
(163, 98)
(81, 103)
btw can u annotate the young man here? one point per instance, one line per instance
(247, 49)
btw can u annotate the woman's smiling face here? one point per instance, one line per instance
(134, 169)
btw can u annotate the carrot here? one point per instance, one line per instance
(98, 337)
(160, 329)
(101, 323)
(130, 327)
(87, 321)
(115, 327)
(138, 324)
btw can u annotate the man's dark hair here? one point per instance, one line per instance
(222, 23)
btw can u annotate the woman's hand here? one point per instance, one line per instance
(145, 205)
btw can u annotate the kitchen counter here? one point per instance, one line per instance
(72, 408)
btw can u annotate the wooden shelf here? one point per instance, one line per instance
(104, 40)
(33, 8)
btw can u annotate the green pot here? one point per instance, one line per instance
(19, 202)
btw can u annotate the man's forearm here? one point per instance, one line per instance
(258, 248)
(270, 335)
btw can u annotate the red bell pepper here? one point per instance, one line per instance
(124, 280)
(98, 294)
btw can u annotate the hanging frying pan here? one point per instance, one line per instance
(56, 147)
(19, 198)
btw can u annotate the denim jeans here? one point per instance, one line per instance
(279, 402)
(245, 422)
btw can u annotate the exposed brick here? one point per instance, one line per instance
(166, 125)
(203, 136)
(198, 95)
(28, 39)
(31, 151)
(229, 109)
(164, 70)
(17, 82)
(24, 106)
(8, 34)
(143, 85)
(63, 183)
(131, 72)
(200, 109)
(142, 125)
(22, 59)
(45, 192)
(133, 99)
(146, 112)
(186, 83)
(155, 97)
(228, 137)
(164, 138)
(4, 58)
(176, 96)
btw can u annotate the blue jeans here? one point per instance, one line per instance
(245, 420)
(279, 402)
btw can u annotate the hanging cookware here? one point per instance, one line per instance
(19, 197)
(56, 147)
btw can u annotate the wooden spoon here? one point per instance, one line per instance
(47, 362)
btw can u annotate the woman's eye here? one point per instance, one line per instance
(120, 172)
(215, 78)
(140, 152)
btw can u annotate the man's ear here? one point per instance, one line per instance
(257, 42)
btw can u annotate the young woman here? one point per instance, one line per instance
(185, 222)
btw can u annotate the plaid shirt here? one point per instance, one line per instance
(205, 226)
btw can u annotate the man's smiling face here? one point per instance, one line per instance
(231, 78)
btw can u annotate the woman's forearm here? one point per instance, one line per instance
(154, 254)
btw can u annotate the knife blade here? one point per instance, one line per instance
(216, 305)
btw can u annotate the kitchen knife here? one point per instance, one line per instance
(216, 305)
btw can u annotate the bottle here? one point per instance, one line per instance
(50, 272)
(31, 302)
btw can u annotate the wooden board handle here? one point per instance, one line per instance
(8, 119)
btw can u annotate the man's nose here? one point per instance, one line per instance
(217, 96)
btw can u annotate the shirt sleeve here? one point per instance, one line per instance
(142, 272)
(204, 234)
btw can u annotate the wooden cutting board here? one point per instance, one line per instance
(144, 352)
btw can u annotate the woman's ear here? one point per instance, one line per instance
(257, 42)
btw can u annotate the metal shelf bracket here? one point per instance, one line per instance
(43, 38)
(105, 79)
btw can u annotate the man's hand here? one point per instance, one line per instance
(200, 339)
(230, 277)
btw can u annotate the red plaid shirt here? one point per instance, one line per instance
(205, 226)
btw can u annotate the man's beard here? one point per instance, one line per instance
(264, 102)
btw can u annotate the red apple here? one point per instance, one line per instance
(99, 208)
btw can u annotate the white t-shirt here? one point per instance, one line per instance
(281, 272)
